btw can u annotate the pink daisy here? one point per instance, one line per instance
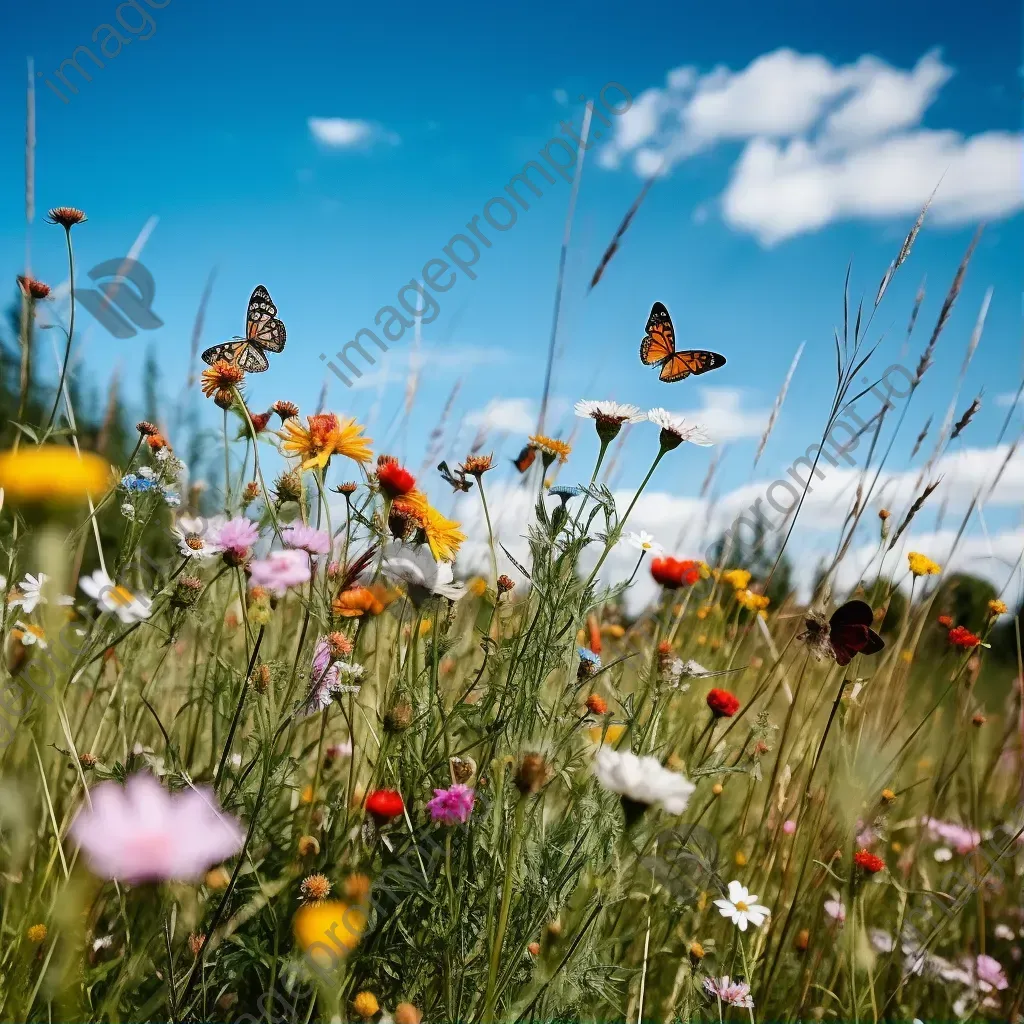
(237, 536)
(306, 538)
(280, 570)
(452, 806)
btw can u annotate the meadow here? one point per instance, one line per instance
(270, 752)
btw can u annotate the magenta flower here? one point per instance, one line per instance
(452, 806)
(962, 839)
(237, 536)
(143, 833)
(306, 538)
(280, 570)
(789, 826)
(990, 974)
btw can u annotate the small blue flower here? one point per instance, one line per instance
(131, 482)
(171, 498)
(564, 492)
(589, 656)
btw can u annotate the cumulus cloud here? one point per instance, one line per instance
(723, 413)
(822, 143)
(508, 415)
(349, 133)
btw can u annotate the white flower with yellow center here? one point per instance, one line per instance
(643, 541)
(114, 598)
(197, 536)
(742, 908)
(29, 636)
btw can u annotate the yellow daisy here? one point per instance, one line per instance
(52, 473)
(739, 578)
(922, 565)
(550, 448)
(443, 535)
(325, 436)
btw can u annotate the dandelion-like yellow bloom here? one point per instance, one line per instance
(325, 436)
(443, 535)
(365, 1005)
(329, 931)
(551, 447)
(996, 608)
(52, 473)
(739, 578)
(922, 565)
(36, 933)
(751, 601)
(478, 586)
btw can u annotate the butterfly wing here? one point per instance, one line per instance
(261, 323)
(225, 350)
(660, 340)
(853, 613)
(525, 459)
(690, 361)
(252, 358)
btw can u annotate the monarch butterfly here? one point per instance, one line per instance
(525, 459)
(263, 333)
(847, 632)
(659, 348)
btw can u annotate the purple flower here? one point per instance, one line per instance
(280, 570)
(732, 993)
(962, 839)
(237, 536)
(306, 538)
(789, 826)
(452, 806)
(836, 909)
(142, 833)
(329, 675)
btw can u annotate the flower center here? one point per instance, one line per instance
(194, 541)
(122, 595)
(740, 905)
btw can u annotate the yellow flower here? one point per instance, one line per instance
(329, 931)
(478, 586)
(52, 473)
(611, 735)
(425, 627)
(702, 640)
(36, 933)
(741, 859)
(365, 1005)
(739, 578)
(702, 613)
(907, 656)
(996, 608)
(443, 535)
(550, 447)
(325, 436)
(922, 565)
(613, 629)
(751, 601)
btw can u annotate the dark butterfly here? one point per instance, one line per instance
(263, 333)
(847, 632)
(457, 479)
(525, 459)
(659, 348)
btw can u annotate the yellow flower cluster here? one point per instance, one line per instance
(996, 608)
(922, 565)
(739, 578)
(52, 473)
(751, 601)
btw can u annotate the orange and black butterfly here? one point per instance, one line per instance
(457, 479)
(525, 459)
(659, 348)
(263, 333)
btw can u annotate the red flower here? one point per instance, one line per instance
(384, 804)
(946, 621)
(868, 862)
(961, 636)
(394, 479)
(259, 421)
(597, 705)
(673, 573)
(722, 703)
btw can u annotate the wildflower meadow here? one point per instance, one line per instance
(275, 747)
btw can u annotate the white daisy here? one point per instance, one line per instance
(29, 593)
(613, 412)
(642, 780)
(113, 598)
(943, 854)
(642, 541)
(197, 536)
(741, 907)
(416, 568)
(675, 430)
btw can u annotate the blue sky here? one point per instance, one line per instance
(205, 125)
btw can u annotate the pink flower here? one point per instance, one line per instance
(836, 909)
(280, 570)
(142, 833)
(732, 993)
(990, 974)
(962, 839)
(237, 536)
(452, 806)
(306, 538)
(789, 827)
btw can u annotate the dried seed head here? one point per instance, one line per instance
(462, 768)
(399, 717)
(87, 761)
(146, 429)
(251, 492)
(196, 941)
(315, 888)
(288, 487)
(187, 591)
(505, 584)
(66, 216)
(260, 678)
(285, 410)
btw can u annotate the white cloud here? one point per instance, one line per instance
(1008, 399)
(561, 97)
(822, 143)
(508, 415)
(349, 133)
(722, 412)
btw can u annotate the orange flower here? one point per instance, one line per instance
(325, 436)
(221, 376)
(359, 601)
(66, 216)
